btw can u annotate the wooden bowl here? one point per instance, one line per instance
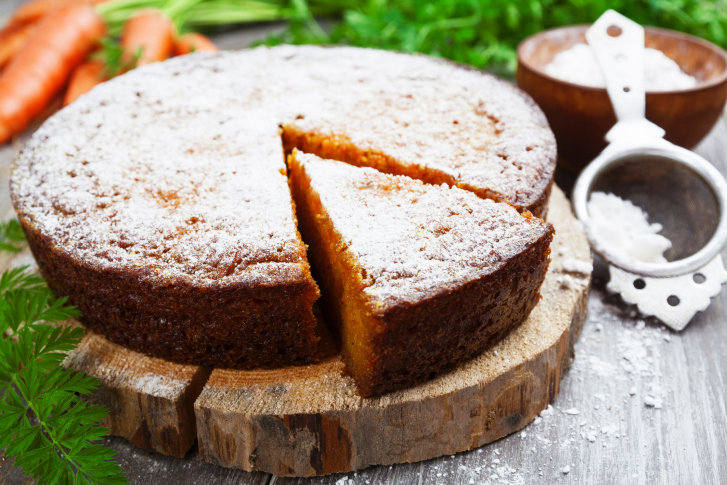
(580, 116)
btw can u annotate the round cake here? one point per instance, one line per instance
(159, 202)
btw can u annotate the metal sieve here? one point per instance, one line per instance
(676, 187)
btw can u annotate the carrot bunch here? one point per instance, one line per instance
(24, 22)
(49, 45)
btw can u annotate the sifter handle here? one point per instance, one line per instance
(619, 47)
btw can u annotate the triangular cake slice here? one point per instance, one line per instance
(415, 278)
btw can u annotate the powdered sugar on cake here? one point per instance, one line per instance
(178, 201)
(177, 168)
(414, 239)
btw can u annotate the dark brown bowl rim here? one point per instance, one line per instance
(697, 40)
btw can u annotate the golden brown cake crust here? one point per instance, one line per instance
(163, 192)
(463, 271)
(455, 326)
(268, 324)
(175, 235)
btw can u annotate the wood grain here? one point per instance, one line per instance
(150, 400)
(306, 421)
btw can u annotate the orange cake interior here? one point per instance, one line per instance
(415, 278)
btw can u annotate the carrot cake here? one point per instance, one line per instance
(158, 202)
(170, 241)
(415, 278)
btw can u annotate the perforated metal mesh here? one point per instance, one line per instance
(674, 196)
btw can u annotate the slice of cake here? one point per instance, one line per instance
(415, 278)
(173, 232)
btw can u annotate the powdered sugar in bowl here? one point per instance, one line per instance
(581, 115)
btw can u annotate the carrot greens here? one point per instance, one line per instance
(44, 424)
(485, 33)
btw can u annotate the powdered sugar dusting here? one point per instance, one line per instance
(179, 200)
(176, 168)
(413, 239)
(156, 384)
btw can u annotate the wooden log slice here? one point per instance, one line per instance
(306, 421)
(150, 401)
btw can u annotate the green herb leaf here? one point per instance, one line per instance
(114, 60)
(484, 33)
(44, 424)
(11, 235)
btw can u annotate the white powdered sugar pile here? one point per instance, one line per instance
(578, 65)
(577, 271)
(625, 228)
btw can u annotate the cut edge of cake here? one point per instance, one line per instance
(393, 345)
(340, 148)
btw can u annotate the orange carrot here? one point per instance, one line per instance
(34, 10)
(193, 42)
(148, 31)
(12, 39)
(83, 79)
(40, 69)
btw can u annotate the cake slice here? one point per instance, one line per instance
(415, 278)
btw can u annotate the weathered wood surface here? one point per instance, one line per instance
(307, 421)
(150, 401)
(684, 442)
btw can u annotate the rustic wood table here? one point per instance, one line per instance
(640, 405)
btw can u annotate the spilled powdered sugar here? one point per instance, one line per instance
(492, 469)
(608, 406)
(620, 357)
(154, 384)
(629, 371)
(574, 265)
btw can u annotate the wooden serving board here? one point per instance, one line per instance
(306, 421)
(150, 400)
